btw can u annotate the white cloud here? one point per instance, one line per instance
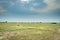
(2, 10)
(24, 1)
(35, 4)
(51, 5)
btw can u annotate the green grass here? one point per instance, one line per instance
(29, 31)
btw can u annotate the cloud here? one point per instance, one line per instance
(25, 1)
(2, 10)
(51, 5)
(35, 4)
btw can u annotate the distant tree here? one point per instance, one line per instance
(53, 23)
(40, 22)
(5, 21)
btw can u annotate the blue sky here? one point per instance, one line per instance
(30, 10)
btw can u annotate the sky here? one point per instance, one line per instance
(30, 10)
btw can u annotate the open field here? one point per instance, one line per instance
(29, 31)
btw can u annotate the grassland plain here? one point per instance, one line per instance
(29, 31)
